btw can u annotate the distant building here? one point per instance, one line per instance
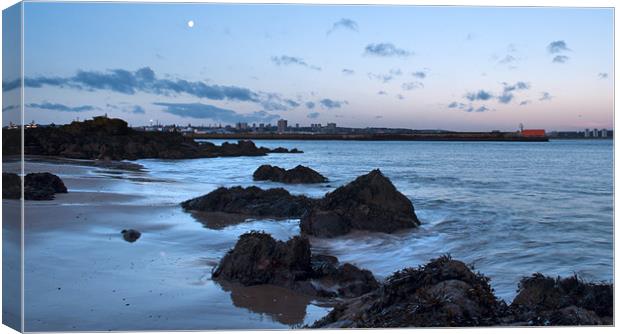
(242, 126)
(595, 133)
(586, 133)
(282, 125)
(604, 133)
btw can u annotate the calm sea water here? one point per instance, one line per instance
(510, 209)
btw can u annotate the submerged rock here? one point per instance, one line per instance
(11, 186)
(253, 201)
(442, 293)
(106, 138)
(37, 186)
(131, 235)
(543, 300)
(299, 174)
(370, 202)
(258, 259)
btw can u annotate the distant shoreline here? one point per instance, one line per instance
(458, 136)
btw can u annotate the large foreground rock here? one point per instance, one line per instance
(370, 202)
(37, 186)
(299, 174)
(252, 201)
(258, 259)
(112, 139)
(442, 293)
(543, 300)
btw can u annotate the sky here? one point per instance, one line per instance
(453, 68)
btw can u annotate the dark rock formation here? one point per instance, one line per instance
(569, 301)
(447, 293)
(285, 150)
(251, 201)
(443, 293)
(111, 139)
(131, 235)
(370, 202)
(11, 186)
(258, 259)
(37, 186)
(299, 174)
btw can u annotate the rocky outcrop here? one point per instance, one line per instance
(299, 174)
(370, 202)
(543, 300)
(443, 293)
(252, 201)
(11, 186)
(259, 259)
(285, 150)
(447, 293)
(111, 139)
(37, 186)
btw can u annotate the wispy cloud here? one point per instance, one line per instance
(412, 85)
(137, 110)
(381, 92)
(60, 107)
(386, 50)
(332, 104)
(347, 71)
(313, 115)
(343, 23)
(385, 78)
(400, 96)
(310, 105)
(560, 59)
(206, 111)
(545, 97)
(526, 102)
(479, 95)
(288, 60)
(603, 75)
(557, 47)
(507, 93)
(480, 109)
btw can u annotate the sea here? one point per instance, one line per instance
(508, 209)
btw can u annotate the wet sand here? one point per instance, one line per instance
(81, 275)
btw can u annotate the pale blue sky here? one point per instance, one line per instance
(412, 66)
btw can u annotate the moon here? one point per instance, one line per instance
(190, 23)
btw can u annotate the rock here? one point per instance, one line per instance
(131, 235)
(443, 293)
(259, 259)
(42, 186)
(285, 150)
(543, 300)
(37, 186)
(106, 138)
(370, 202)
(299, 174)
(253, 201)
(11, 186)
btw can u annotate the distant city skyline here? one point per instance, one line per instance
(451, 68)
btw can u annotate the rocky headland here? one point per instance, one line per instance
(112, 139)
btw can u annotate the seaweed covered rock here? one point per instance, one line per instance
(253, 201)
(443, 293)
(258, 259)
(37, 186)
(112, 139)
(370, 202)
(299, 174)
(11, 186)
(543, 300)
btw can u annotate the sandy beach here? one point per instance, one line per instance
(80, 273)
